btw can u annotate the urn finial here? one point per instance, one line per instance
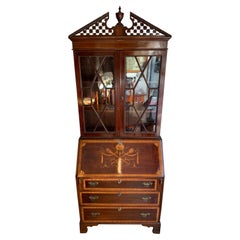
(119, 15)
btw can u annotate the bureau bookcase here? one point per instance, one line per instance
(120, 75)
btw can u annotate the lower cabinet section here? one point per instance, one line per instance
(120, 201)
(121, 186)
(119, 214)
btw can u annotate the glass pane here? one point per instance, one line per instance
(97, 85)
(142, 75)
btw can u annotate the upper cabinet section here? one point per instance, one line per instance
(120, 75)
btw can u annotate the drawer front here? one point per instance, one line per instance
(119, 198)
(119, 184)
(120, 214)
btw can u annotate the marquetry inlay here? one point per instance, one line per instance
(119, 157)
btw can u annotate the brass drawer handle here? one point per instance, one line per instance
(145, 215)
(93, 183)
(147, 184)
(93, 197)
(146, 199)
(95, 214)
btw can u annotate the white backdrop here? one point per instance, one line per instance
(39, 122)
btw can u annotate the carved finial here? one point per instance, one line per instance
(119, 15)
(119, 29)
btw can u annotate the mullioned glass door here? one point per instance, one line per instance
(98, 93)
(141, 93)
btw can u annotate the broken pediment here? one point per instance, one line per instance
(140, 27)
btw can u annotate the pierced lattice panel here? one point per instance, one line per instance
(98, 28)
(140, 28)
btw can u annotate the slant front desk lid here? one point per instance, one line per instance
(121, 157)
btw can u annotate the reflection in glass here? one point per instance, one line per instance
(97, 85)
(141, 93)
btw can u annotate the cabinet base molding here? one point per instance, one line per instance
(155, 226)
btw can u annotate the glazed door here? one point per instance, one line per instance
(120, 93)
(97, 93)
(142, 88)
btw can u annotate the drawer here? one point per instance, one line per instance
(120, 214)
(119, 198)
(111, 184)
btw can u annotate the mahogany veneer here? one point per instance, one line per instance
(120, 76)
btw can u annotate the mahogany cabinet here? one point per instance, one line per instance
(120, 75)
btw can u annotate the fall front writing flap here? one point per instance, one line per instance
(120, 157)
